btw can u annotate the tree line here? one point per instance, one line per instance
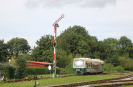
(73, 42)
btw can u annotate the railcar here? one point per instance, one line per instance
(87, 65)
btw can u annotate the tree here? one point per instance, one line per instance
(21, 66)
(74, 40)
(104, 50)
(3, 51)
(17, 46)
(125, 46)
(113, 59)
(44, 50)
(113, 42)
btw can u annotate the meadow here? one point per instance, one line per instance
(59, 81)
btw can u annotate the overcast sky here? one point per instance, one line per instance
(31, 19)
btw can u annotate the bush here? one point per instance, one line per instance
(21, 66)
(60, 71)
(108, 67)
(69, 69)
(119, 69)
(9, 73)
(2, 67)
(38, 71)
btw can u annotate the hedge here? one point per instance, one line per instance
(40, 71)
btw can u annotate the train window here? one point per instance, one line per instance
(88, 65)
(78, 63)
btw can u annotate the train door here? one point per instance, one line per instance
(88, 65)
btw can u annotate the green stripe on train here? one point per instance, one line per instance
(83, 69)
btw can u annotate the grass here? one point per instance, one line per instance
(59, 81)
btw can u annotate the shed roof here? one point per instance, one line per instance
(40, 62)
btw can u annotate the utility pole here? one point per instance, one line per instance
(55, 42)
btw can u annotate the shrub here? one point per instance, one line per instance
(2, 67)
(38, 71)
(60, 71)
(9, 73)
(108, 67)
(69, 69)
(21, 66)
(119, 69)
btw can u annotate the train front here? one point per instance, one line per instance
(79, 66)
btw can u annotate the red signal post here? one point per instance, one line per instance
(56, 25)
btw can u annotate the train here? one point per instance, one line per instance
(83, 66)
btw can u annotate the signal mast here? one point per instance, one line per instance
(55, 27)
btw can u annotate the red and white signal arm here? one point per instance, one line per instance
(49, 67)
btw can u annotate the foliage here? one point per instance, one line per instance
(60, 57)
(3, 51)
(119, 69)
(9, 73)
(17, 46)
(60, 71)
(39, 71)
(113, 60)
(2, 67)
(126, 62)
(36, 71)
(108, 67)
(69, 68)
(44, 51)
(113, 42)
(74, 42)
(21, 66)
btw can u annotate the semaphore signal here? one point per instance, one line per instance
(56, 25)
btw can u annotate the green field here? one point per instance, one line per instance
(59, 81)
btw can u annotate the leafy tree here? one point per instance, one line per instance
(77, 29)
(124, 42)
(125, 46)
(3, 51)
(113, 42)
(104, 49)
(68, 42)
(83, 47)
(17, 46)
(113, 60)
(61, 58)
(74, 40)
(21, 66)
(44, 51)
(27, 57)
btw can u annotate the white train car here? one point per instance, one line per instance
(87, 65)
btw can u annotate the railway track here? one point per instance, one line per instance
(113, 80)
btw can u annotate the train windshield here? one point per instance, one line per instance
(78, 63)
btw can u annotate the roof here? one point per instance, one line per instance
(5, 64)
(93, 60)
(39, 62)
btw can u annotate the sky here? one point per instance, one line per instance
(32, 19)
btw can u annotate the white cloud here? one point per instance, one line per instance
(68, 3)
